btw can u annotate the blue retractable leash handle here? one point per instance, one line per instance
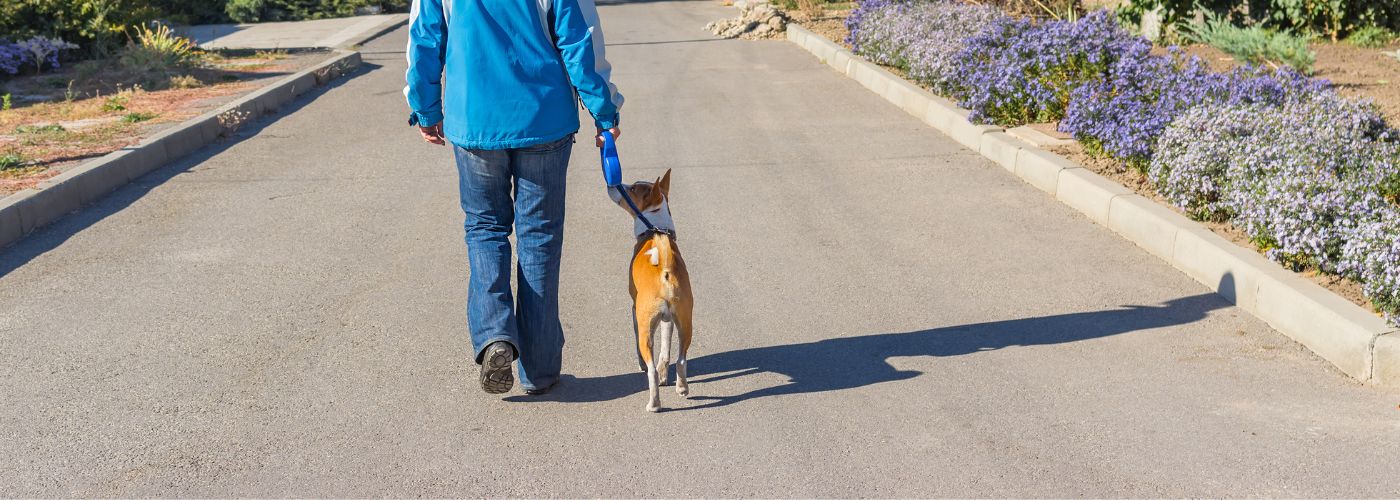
(612, 166)
(612, 175)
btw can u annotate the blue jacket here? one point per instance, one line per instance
(514, 70)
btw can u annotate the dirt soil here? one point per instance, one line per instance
(60, 119)
(830, 24)
(1362, 73)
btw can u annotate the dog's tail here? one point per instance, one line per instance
(666, 260)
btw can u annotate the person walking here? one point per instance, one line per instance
(500, 81)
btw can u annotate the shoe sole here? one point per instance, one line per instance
(496, 377)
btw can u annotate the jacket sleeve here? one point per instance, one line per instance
(579, 38)
(427, 46)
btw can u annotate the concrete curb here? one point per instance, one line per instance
(25, 211)
(1353, 339)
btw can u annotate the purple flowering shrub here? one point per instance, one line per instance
(11, 57)
(921, 37)
(1123, 115)
(1016, 71)
(1372, 256)
(856, 20)
(40, 52)
(1299, 178)
(932, 60)
(44, 50)
(885, 31)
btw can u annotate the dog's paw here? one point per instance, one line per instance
(653, 408)
(683, 390)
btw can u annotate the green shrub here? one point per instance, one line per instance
(1371, 37)
(159, 51)
(250, 11)
(114, 103)
(1254, 44)
(245, 11)
(101, 27)
(1173, 14)
(98, 26)
(1334, 19)
(10, 160)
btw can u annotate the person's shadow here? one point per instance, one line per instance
(850, 362)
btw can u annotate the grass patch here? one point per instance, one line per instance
(11, 161)
(39, 129)
(114, 103)
(1254, 44)
(138, 117)
(1371, 37)
(184, 82)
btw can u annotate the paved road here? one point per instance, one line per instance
(880, 313)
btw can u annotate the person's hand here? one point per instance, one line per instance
(433, 134)
(616, 132)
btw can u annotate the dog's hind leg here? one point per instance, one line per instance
(682, 328)
(665, 329)
(646, 337)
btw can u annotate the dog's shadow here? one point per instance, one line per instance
(850, 362)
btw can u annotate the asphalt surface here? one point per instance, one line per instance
(879, 313)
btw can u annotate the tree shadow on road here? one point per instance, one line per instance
(849, 362)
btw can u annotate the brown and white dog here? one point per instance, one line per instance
(660, 286)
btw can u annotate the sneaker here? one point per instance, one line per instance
(496, 373)
(537, 391)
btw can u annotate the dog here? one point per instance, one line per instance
(660, 286)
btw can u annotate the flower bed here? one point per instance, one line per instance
(1310, 176)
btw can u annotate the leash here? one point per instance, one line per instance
(612, 175)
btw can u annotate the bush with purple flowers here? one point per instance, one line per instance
(38, 52)
(11, 57)
(856, 21)
(1123, 115)
(922, 38)
(1372, 256)
(43, 51)
(1299, 178)
(1017, 71)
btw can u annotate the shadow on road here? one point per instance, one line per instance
(51, 236)
(850, 362)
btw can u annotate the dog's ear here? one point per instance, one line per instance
(665, 183)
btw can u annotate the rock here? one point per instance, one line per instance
(757, 20)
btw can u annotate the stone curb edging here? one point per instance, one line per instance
(1357, 342)
(30, 209)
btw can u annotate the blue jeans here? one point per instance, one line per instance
(523, 188)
